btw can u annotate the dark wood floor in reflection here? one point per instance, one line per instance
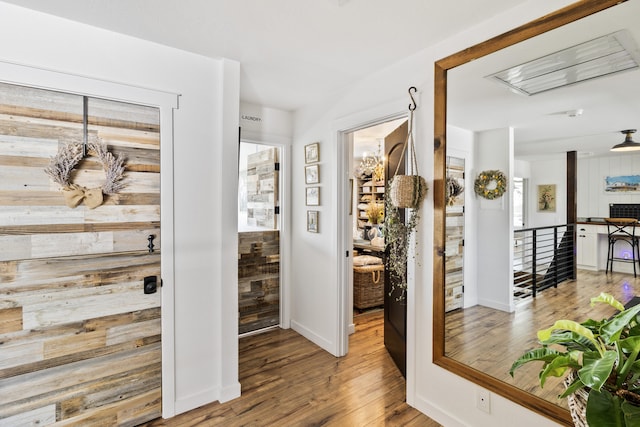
(289, 381)
(490, 340)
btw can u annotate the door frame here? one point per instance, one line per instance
(284, 222)
(344, 230)
(166, 102)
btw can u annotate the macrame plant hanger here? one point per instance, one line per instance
(408, 190)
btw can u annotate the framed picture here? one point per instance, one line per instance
(622, 184)
(312, 174)
(547, 198)
(312, 152)
(313, 196)
(312, 221)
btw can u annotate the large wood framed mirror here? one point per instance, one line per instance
(592, 18)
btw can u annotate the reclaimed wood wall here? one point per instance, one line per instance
(454, 261)
(79, 340)
(262, 188)
(258, 280)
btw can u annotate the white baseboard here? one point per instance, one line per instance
(313, 337)
(196, 400)
(437, 414)
(230, 392)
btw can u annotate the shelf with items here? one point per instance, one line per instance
(370, 202)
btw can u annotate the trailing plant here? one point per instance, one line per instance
(398, 235)
(603, 355)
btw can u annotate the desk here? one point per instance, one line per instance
(366, 247)
(591, 248)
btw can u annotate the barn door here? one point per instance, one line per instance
(454, 213)
(79, 337)
(258, 238)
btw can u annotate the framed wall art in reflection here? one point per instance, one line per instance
(312, 174)
(547, 198)
(312, 152)
(313, 196)
(312, 221)
(622, 184)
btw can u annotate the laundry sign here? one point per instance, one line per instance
(250, 118)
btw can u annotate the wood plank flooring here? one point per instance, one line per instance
(490, 340)
(289, 381)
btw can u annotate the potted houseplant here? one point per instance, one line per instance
(599, 358)
(375, 215)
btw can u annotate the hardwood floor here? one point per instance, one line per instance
(289, 381)
(490, 340)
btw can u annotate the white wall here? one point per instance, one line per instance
(204, 298)
(592, 200)
(438, 393)
(494, 151)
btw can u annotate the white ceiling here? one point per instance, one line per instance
(296, 52)
(292, 52)
(541, 125)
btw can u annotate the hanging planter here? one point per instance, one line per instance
(408, 191)
(403, 191)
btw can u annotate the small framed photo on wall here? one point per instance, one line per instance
(312, 174)
(313, 196)
(312, 152)
(312, 221)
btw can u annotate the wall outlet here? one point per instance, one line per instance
(483, 400)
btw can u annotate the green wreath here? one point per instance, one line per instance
(483, 184)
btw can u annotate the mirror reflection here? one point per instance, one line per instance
(491, 275)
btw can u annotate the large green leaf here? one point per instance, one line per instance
(610, 331)
(609, 299)
(557, 367)
(596, 369)
(603, 410)
(573, 387)
(631, 414)
(543, 354)
(568, 325)
(631, 344)
(570, 340)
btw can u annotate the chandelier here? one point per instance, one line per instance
(372, 164)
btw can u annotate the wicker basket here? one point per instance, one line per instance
(407, 191)
(368, 286)
(577, 403)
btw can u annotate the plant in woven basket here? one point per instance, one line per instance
(600, 358)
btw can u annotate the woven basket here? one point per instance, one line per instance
(577, 403)
(407, 191)
(368, 286)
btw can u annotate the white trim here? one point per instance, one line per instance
(284, 222)
(344, 237)
(70, 83)
(312, 336)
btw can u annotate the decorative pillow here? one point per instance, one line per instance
(361, 260)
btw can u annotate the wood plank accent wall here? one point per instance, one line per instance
(258, 280)
(79, 340)
(262, 188)
(454, 260)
